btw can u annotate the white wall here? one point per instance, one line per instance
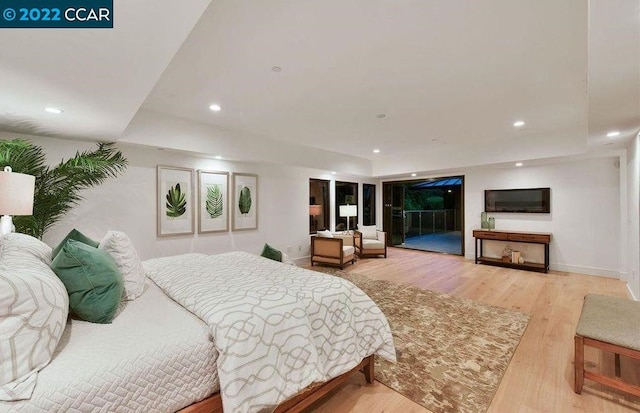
(584, 219)
(128, 203)
(155, 129)
(633, 219)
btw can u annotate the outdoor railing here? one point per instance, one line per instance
(429, 221)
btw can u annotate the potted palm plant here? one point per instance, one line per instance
(57, 188)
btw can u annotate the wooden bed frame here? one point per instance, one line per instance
(304, 399)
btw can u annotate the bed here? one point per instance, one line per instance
(154, 357)
(233, 331)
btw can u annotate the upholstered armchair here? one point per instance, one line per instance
(334, 250)
(370, 242)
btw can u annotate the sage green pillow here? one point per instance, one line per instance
(74, 234)
(273, 254)
(92, 280)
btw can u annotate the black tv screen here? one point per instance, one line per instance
(530, 200)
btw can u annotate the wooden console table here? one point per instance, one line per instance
(513, 236)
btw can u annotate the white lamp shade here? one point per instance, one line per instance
(348, 210)
(16, 193)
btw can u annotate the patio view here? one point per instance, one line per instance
(426, 215)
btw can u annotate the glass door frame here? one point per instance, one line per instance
(390, 224)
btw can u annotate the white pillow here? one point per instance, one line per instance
(21, 246)
(325, 234)
(368, 231)
(119, 246)
(287, 260)
(33, 314)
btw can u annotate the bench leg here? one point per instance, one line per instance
(579, 364)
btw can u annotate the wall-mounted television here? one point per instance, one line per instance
(527, 200)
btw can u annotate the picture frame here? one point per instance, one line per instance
(174, 189)
(245, 202)
(213, 201)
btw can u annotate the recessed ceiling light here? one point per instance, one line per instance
(55, 111)
(276, 69)
(381, 115)
(518, 163)
(376, 151)
(218, 157)
(613, 134)
(608, 143)
(333, 172)
(434, 139)
(215, 108)
(414, 174)
(518, 123)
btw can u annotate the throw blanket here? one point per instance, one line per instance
(278, 328)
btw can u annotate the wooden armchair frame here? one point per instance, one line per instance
(330, 251)
(370, 252)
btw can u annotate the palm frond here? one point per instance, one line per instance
(90, 168)
(57, 189)
(22, 156)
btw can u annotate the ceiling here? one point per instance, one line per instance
(450, 78)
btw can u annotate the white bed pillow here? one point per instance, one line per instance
(21, 246)
(33, 314)
(119, 246)
(368, 231)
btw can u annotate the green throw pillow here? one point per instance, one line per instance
(92, 279)
(74, 235)
(273, 254)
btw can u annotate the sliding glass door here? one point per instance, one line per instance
(426, 214)
(393, 211)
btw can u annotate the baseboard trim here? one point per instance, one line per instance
(577, 269)
(631, 294)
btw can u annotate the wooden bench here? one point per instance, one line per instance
(610, 324)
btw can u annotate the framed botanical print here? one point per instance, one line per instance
(175, 201)
(213, 201)
(245, 201)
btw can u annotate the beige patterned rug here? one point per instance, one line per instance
(452, 353)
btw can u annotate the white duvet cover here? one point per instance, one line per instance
(154, 357)
(278, 328)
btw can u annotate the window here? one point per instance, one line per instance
(318, 205)
(368, 204)
(346, 194)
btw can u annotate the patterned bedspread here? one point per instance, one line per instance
(278, 328)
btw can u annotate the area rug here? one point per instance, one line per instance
(452, 353)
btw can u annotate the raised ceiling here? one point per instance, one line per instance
(450, 77)
(99, 77)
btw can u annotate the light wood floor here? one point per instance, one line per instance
(540, 375)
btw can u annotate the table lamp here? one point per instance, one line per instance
(348, 211)
(315, 211)
(16, 197)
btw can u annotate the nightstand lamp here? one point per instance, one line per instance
(16, 197)
(348, 211)
(314, 212)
